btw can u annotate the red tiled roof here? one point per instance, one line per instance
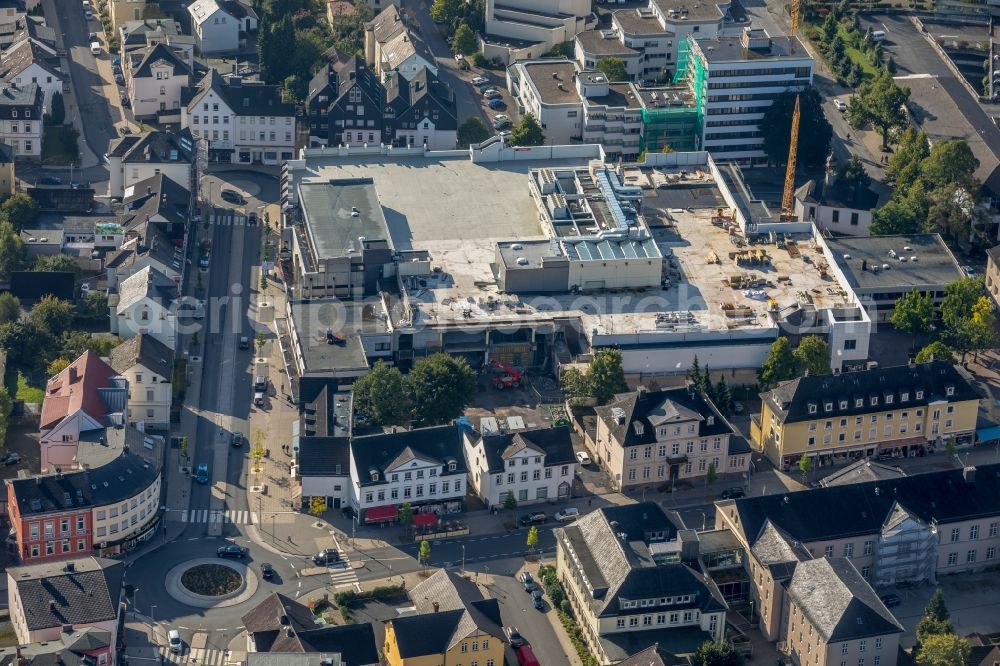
(75, 388)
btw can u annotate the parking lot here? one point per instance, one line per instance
(971, 600)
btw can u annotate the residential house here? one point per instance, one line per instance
(104, 510)
(834, 616)
(81, 404)
(73, 648)
(21, 108)
(531, 465)
(346, 105)
(141, 33)
(453, 622)
(321, 444)
(282, 626)
(11, 11)
(984, 651)
(30, 61)
(658, 437)
(135, 158)
(992, 277)
(391, 47)
(123, 11)
(155, 76)
(907, 530)
(423, 109)
(424, 467)
(30, 27)
(143, 305)
(630, 588)
(649, 657)
(221, 26)
(147, 366)
(8, 180)
(900, 410)
(836, 205)
(76, 603)
(244, 122)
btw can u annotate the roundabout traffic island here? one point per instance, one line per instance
(211, 583)
(211, 580)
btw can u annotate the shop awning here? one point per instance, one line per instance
(900, 443)
(381, 514)
(989, 434)
(421, 519)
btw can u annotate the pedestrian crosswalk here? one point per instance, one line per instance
(342, 574)
(213, 516)
(196, 656)
(228, 220)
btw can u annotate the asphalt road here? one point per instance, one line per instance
(485, 547)
(517, 610)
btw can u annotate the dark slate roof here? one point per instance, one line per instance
(243, 97)
(556, 443)
(20, 98)
(320, 456)
(440, 443)
(22, 55)
(791, 400)
(655, 408)
(838, 602)
(51, 596)
(269, 620)
(156, 53)
(70, 649)
(6, 154)
(329, 413)
(145, 350)
(861, 471)
(648, 657)
(157, 195)
(122, 478)
(425, 634)
(863, 508)
(386, 25)
(355, 643)
(406, 95)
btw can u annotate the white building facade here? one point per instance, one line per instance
(533, 466)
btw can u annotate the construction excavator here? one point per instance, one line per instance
(504, 377)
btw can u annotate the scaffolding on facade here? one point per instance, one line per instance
(677, 126)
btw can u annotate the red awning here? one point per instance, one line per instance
(421, 519)
(380, 514)
(901, 443)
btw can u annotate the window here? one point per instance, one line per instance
(848, 550)
(878, 643)
(954, 535)
(621, 623)
(994, 527)
(828, 551)
(633, 622)
(974, 532)
(952, 559)
(970, 556)
(866, 572)
(991, 553)
(862, 645)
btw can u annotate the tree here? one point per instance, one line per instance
(58, 113)
(980, 328)
(20, 210)
(605, 375)
(694, 372)
(936, 620)
(509, 501)
(94, 307)
(721, 653)
(440, 387)
(10, 308)
(853, 180)
(405, 514)
(723, 396)
(52, 315)
(12, 251)
(904, 165)
(913, 312)
(527, 132)
(711, 476)
(960, 298)
(28, 345)
(613, 68)
(57, 366)
(814, 129)
(445, 11)
(317, 505)
(381, 396)
(532, 540)
(575, 385)
(949, 161)
(6, 404)
(902, 215)
(813, 356)
(260, 339)
(425, 552)
(472, 131)
(464, 41)
(56, 263)
(943, 650)
(936, 351)
(294, 89)
(936, 608)
(780, 364)
(805, 466)
(879, 103)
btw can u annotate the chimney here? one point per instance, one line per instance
(969, 474)
(52, 605)
(437, 607)
(70, 567)
(72, 374)
(288, 632)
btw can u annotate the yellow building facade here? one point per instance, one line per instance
(476, 649)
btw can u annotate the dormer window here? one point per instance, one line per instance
(374, 473)
(452, 465)
(904, 396)
(13, 113)
(859, 402)
(888, 398)
(843, 404)
(874, 400)
(828, 406)
(710, 421)
(812, 407)
(949, 390)
(920, 394)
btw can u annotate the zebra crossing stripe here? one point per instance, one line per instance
(236, 517)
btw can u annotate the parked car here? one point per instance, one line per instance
(174, 639)
(536, 598)
(237, 440)
(12, 458)
(244, 342)
(514, 637)
(840, 104)
(891, 600)
(258, 399)
(95, 47)
(92, 36)
(204, 260)
(459, 58)
(49, 180)
(496, 103)
(326, 556)
(193, 309)
(736, 407)
(733, 493)
(502, 124)
(125, 103)
(232, 196)
(525, 656)
(567, 514)
(480, 80)
(202, 475)
(534, 518)
(582, 458)
(125, 129)
(232, 550)
(970, 271)
(117, 60)
(504, 134)
(528, 582)
(492, 94)
(119, 79)
(266, 571)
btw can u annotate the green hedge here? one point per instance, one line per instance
(348, 597)
(550, 581)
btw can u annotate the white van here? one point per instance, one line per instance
(95, 48)
(174, 638)
(878, 35)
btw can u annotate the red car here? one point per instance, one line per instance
(525, 656)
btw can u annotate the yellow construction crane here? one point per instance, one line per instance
(795, 18)
(787, 203)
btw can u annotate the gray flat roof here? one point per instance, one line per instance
(553, 90)
(730, 49)
(935, 264)
(533, 251)
(339, 211)
(634, 22)
(347, 320)
(592, 41)
(699, 10)
(471, 201)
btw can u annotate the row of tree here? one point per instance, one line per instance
(937, 644)
(527, 132)
(719, 393)
(963, 322)
(934, 189)
(602, 379)
(783, 363)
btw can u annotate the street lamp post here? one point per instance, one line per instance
(273, 537)
(463, 558)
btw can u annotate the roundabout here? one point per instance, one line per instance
(209, 583)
